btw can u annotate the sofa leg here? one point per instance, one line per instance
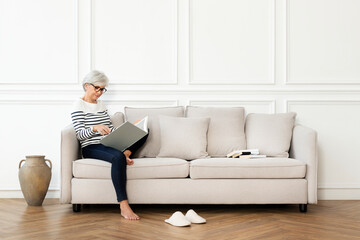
(76, 207)
(303, 208)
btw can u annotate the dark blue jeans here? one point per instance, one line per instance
(118, 163)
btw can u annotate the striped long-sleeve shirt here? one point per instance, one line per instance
(86, 115)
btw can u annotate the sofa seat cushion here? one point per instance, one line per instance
(143, 168)
(247, 168)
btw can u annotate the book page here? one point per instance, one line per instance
(143, 124)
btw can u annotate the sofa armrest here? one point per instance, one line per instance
(304, 148)
(70, 150)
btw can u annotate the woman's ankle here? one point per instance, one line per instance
(124, 203)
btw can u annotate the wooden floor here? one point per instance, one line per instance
(338, 220)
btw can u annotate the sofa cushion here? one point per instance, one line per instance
(152, 145)
(247, 168)
(150, 168)
(226, 128)
(184, 138)
(270, 133)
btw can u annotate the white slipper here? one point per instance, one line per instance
(193, 217)
(178, 219)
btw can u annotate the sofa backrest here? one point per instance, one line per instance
(227, 131)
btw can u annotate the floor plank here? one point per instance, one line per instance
(326, 220)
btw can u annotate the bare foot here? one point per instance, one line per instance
(129, 161)
(127, 212)
(127, 154)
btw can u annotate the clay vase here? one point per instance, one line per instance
(34, 177)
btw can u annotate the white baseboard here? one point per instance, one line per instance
(339, 191)
(52, 193)
(339, 194)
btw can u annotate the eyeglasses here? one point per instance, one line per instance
(98, 89)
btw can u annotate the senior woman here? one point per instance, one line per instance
(91, 122)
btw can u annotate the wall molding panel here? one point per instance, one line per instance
(333, 36)
(118, 105)
(28, 55)
(243, 77)
(134, 77)
(253, 106)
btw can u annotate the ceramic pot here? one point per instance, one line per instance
(34, 177)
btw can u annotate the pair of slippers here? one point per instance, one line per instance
(180, 220)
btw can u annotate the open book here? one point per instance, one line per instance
(126, 135)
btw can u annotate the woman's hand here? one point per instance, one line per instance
(127, 154)
(101, 129)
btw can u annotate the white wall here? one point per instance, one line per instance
(269, 56)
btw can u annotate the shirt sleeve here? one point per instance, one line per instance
(78, 120)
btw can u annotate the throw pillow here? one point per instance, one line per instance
(152, 145)
(226, 129)
(184, 138)
(270, 133)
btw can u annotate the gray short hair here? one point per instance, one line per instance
(96, 77)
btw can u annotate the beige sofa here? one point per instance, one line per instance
(184, 160)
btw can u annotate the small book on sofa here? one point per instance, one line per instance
(238, 153)
(126, 135)
(252, 156)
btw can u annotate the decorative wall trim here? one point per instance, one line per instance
(124, 102)
(272, 60)
(143, 102)
(288, 80)
(36, 102)
(174, 79)
(77, 58)
(75, 79)
(288, 103)
(151, 90)
(164, 99)
(92, 35)
(271, 104)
